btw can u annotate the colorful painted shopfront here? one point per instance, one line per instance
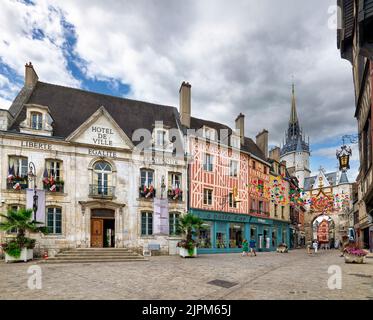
(225, 232)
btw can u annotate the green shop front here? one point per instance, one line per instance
(225, 232)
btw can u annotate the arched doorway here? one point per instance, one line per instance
(324, 231)
(102, 228)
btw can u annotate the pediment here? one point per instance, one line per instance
(101, 130)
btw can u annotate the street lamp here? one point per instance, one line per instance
(343, 155)
(32, 178)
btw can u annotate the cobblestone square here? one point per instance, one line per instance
(295, 275)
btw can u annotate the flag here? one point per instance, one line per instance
(53, 188)
(45, 176)
(17, 186)
(11, 173)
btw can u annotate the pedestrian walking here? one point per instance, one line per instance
(252, 247)
(315, 246)
(245, 248)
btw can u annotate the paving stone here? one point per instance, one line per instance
(295, 275)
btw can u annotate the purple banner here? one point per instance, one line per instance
(40, 213)
(161, 218)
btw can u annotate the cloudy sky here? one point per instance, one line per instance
(239, 56)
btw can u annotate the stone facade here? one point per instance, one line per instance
(81, 191)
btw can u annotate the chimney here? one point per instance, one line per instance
(262, 142)
(240, 125)
(185, 103)
(274, 154)
(30, 75)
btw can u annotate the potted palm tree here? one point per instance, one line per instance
(189, 225)
(21, 247)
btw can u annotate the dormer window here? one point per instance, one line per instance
(160, 138)
(36, 120)
(209, 133)
(235, 142)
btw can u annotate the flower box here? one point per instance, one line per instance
(282, 249)
(26, 254)
(185, 253)
(351, 258)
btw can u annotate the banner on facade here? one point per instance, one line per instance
(40, 213)
(161, 217)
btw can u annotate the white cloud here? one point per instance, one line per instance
(238, 57)
(18, 46)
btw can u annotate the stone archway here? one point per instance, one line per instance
(88, 206)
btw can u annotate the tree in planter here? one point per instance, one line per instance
(21, 220)
(189, 225)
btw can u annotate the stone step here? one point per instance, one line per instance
(91, 260)
(95, 257)
(111, 253)
(97, 250)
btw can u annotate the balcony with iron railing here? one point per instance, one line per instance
(97, 191)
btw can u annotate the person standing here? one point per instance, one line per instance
(315, 246)
(245, 248)
(252, 246)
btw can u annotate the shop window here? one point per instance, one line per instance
(221, 235)
(207, 197)
(274, 238)
(266, 238)
(54, 220)
(173, 223)
(253, 234)
(204, 236)
(236, 232)
(17, 173)
(36, 121)
(284, 236)
(208, 162)
(146, 223)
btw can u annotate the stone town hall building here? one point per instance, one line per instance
(99, 191)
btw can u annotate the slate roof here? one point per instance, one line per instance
(249, 145)
(331, 177)
(71, 107)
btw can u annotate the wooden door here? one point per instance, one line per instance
(97, 233)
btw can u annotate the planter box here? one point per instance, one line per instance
(282, 249)
(185, 254)
(350, 258)
(26, 254)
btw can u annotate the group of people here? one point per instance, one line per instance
(246, 245)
